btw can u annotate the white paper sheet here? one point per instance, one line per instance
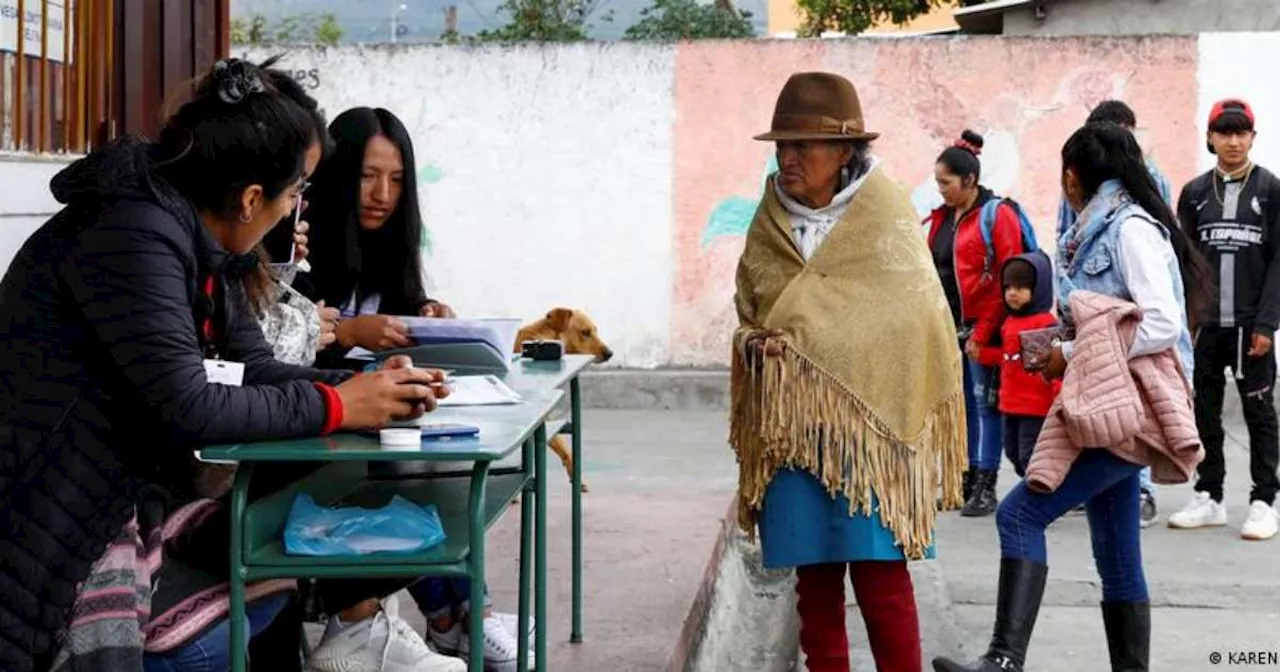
(479, 391)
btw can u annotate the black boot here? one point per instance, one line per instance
(982, 501)
(1017, 605)
(1128, 626)
(968, 482)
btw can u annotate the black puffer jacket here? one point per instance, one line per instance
(102, 383)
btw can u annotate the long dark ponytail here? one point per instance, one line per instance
(1104, 151)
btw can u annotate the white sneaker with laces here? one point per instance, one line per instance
(1201, 511)
(1262, 524)
(499, 642)
(384, 643)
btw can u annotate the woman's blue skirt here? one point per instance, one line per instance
(800, 524)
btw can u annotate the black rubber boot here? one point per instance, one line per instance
(982, 501)
(1017, 605)
(1128, 626)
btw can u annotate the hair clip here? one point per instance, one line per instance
(236, 80)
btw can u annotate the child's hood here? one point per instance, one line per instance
(1042, 297)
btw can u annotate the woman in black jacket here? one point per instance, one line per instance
(118, 318)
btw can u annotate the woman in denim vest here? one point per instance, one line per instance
(1124, 243)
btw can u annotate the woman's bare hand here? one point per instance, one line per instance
(763, 343)
(1056, 366)
(371, 400)
(438, 310)
(373, 332)
(328, 325)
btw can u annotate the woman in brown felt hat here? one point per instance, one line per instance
(846, 379)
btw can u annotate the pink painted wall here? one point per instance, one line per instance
(1025, 95)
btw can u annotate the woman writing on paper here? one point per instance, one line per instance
(366, 234)
(364, 242)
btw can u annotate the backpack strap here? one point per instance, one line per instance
(987, 224)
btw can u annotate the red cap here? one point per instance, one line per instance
(1230, 105)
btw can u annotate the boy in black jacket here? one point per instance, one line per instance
(1233, 214)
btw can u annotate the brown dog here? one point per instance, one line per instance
(578, 333)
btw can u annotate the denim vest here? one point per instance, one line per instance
(1094, 267)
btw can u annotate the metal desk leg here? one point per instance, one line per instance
(239, 628)
(475, 514)
(575, 418)
(540, 547)
(526, 558)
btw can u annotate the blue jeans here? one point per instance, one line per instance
(1144, 481)
(212, 651)
(1108, 486)
(437, 597)
(984, 453)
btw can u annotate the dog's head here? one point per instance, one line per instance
(571, 327)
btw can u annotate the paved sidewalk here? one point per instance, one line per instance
(659, 482)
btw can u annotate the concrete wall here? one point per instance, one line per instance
(1145, 17)
(620, 178)
(25, 202)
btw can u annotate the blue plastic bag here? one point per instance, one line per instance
(399, 527)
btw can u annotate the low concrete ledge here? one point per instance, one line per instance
(743, 616)
(658, 389)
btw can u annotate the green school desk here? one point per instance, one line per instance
(468, 503)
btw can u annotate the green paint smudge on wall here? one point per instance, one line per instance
(428, 174)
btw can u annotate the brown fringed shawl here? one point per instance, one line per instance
(869, 385)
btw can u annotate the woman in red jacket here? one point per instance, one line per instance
(970, 272)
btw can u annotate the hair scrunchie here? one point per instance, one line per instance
(969, 147)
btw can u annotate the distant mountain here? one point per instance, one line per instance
(366, 21)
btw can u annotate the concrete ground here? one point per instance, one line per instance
(660, 482)
(1212, 592)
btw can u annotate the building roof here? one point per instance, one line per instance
(988, 18)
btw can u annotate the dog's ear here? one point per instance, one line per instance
(558, 319)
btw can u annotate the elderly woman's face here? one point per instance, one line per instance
(809, 170)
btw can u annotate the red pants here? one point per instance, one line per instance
(888, 604)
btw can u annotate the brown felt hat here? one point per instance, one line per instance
(818, 106)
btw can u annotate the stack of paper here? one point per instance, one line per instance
(478, 391)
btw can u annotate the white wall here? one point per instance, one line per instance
(595, 175)
(552, 175)
(25, 202)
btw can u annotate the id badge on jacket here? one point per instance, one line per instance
(223, 372)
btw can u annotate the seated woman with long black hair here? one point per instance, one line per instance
(365, 242)
(128, 342)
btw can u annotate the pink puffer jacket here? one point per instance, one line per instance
(1139, 409)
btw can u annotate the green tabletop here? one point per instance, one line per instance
(527, 375)
(503, 429)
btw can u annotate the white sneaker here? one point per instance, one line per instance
(1262, 524)
(1201, 511)
(384, 643)
(499, 642)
